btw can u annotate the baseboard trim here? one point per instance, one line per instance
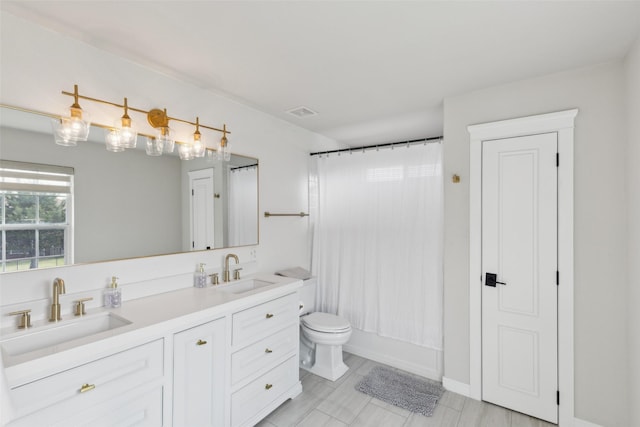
(577, 422)
(455, 386)
(393, 361)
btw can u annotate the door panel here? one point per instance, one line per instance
(519, 244)
(202, 220)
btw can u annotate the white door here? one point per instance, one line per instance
(202, 221)
(519, 246)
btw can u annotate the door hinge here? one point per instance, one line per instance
(557, 277)
(557, 159)
(558, 397)
(192, 193)
(193, 244)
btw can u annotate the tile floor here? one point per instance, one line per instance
(338, 404)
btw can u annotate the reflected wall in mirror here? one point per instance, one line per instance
(122, 205)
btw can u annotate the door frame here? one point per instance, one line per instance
(562, 123)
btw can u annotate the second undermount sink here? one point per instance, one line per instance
(245, 285)
(57, 333)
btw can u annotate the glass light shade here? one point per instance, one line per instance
(197, 146)
(211, 156)
(113, 140)
(128, 135)
(154, 147)
(61, 134)
(70, 130)
(165, 136)
(185, 151)
(223, 152)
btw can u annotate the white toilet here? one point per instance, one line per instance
(321, 336)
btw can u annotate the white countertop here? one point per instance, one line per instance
(151, 318)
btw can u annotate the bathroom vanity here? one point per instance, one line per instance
(224, 355)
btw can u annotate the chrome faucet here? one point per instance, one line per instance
(58, 288)
(226, 265)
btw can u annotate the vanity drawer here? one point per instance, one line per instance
(257, 322)
(268, 351)
(93, 382)
(249, 400)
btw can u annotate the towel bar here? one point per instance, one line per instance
(301, 214)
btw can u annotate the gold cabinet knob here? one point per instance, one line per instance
(87, 387)
(201, 342)
(268, 386)
(269, 315)
(268, 350)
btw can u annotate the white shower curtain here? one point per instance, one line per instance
(243, 205)
(377, 244)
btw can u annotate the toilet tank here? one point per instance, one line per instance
(307, 294)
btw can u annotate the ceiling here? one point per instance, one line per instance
(373, 71)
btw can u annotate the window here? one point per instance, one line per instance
(36, 215)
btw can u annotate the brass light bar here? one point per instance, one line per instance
(154, 112)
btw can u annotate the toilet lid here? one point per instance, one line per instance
(325, 322)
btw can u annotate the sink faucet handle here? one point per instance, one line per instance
(236, 273)
(80, 309)
(215, 280)
(25, 318)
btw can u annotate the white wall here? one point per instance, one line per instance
(632, 70)
(37, 64)
(600, 226)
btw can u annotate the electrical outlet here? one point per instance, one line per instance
(253, 254)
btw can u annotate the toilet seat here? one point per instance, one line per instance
(326, 323)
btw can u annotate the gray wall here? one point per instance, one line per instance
(599, 222)
(632, 69)
(126, 204)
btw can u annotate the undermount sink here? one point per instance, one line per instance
(242, 286)
(61, 332)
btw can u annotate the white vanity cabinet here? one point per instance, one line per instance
(124, 388)
(264, 358)
(199, 375)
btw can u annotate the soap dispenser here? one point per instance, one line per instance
(113, 295)
(200, 277)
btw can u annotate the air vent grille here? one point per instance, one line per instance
(302, 112)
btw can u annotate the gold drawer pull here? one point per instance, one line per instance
(268, 350)
(87, 387)
(269, 315)
(201, 342)
(268, 386)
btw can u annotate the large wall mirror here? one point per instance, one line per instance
(115, 205)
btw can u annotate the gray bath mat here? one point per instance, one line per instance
(403, 390)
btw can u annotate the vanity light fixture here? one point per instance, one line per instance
(223, 148)
(128, 135)
(69, 130)
(123, 135)
(197, 145)
(159, 120)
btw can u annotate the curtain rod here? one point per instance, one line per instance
(243, 167)
(387, 144)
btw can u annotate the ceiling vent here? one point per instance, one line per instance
(302, 112)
